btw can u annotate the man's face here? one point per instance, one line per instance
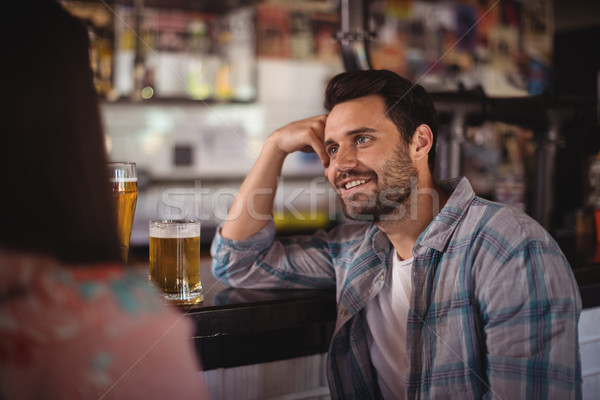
(370, 167)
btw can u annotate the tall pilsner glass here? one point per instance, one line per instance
(123, 178)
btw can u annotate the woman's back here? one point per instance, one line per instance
(89, 333)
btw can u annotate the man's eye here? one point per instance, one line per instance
(362, 140)
(332, 151)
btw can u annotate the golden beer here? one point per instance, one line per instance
(125, 192)
(175, 260)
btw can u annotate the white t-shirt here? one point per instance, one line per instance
(387, 315)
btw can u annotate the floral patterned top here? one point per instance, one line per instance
(90, 332)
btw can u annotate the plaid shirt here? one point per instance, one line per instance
(493, 313)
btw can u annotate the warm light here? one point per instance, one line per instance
(147, 92)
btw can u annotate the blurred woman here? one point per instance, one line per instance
(73, 322)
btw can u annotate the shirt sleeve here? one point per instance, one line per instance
(264, 262)
(530, 307)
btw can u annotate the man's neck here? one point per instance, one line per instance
(422, 209)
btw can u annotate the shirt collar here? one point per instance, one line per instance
(440, 230)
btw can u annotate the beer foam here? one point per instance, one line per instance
(171, 230)
(123, 179)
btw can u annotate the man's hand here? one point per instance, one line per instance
(253, 205)
(305, 135)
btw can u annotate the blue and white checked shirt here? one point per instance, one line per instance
(494, 307)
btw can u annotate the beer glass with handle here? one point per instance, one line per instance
(175, 260)
(123, 179)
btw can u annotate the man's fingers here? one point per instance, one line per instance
(319, 148)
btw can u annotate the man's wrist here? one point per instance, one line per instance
(272, 151)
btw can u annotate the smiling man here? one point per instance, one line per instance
(440, 294)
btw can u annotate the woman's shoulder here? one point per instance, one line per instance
(42, 297)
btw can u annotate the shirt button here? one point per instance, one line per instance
(382, 277)
(343, 312)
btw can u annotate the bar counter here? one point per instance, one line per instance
(235, 327)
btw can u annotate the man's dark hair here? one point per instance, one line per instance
(407, 105)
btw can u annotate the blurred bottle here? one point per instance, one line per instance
(224, 84)
(93, 48)
(101, 58)
(594, 200)
(125, 50)
(239, 55)
(99, 23)
(594, 176)
(510, 183)
(199, 82)
(143, 76)
(302, 36)
(104, 73)
(144, 65)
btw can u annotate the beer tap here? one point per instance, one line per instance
(355, 35)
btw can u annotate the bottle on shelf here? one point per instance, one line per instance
(594, 199)
(199, 79)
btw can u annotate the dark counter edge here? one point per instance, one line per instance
(315, 308)
(288, 328)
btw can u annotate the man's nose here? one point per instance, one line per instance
(345, 159)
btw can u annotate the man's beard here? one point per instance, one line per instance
(390, 201)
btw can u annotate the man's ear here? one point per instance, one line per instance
(421, 143)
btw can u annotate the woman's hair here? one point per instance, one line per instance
(55, 195)
(407, 105)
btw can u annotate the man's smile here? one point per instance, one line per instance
(354, 183)
(349, 183)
